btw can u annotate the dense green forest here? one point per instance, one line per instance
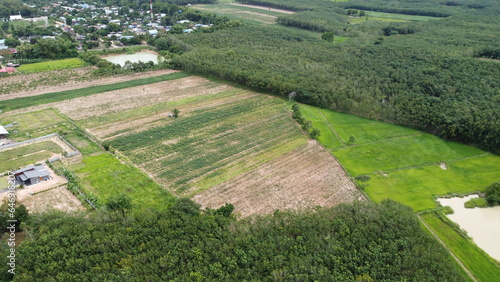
(361, 241)
(426, 74)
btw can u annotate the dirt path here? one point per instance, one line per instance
(306, 177)
(471, 276)
(264, 8)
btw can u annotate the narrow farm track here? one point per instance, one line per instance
(471, 276)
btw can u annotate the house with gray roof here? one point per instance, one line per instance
(31, 175)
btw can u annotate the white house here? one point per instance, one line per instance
(16, 17)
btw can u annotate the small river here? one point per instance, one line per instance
(134, 58)
(481, 224)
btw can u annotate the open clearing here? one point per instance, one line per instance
(402, 164)
(245, 12)
(58, 198)
(19, 157)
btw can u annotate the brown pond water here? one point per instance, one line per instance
(481, 224)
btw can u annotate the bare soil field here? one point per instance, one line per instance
(306, 177)
(58, 198)
(70, 83)
(263, 8)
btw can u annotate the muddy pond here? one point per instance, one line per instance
(481, 224)
(134, 58)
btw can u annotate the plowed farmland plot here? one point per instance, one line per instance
(222, 136)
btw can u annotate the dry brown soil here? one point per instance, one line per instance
(306, 177)
(72, 84)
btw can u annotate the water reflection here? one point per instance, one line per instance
(134, 58)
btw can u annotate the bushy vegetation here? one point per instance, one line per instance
(493, 194)
(349, 242)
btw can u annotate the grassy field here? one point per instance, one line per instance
(483, 267)
(52, 65)
(22, 156)
(403, 164)
(35, 124)
(4, 183)
(105, 176)
(70, 94)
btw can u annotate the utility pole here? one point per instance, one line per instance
(151, 9)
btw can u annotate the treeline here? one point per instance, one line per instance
(360, 241)
(405, 11)
(492, 53)
(315, 20)
(403, 79)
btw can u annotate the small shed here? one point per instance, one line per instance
(31, 175)
(3, 132)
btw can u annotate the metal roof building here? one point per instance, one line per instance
(31, 174)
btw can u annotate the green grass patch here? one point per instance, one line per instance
(105, 176)
(70, 94)
(4, 182)
(360, 133)
(403, 164)
(318, 120)
(52, 65)
(402, 152)
(38, 152)
(482, 266)
(391, 16)
(35, 124)
(417, 187)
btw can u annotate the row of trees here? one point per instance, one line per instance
(361, 241)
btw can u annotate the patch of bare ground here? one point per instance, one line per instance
(58, 198)
(70, 83)
(306, 177)
(263, 8)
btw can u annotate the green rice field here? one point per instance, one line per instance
(402, 164)
(52, 65)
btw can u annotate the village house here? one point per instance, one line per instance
(31, 175)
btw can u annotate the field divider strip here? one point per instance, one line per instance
(333, 130)
(471, 276)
